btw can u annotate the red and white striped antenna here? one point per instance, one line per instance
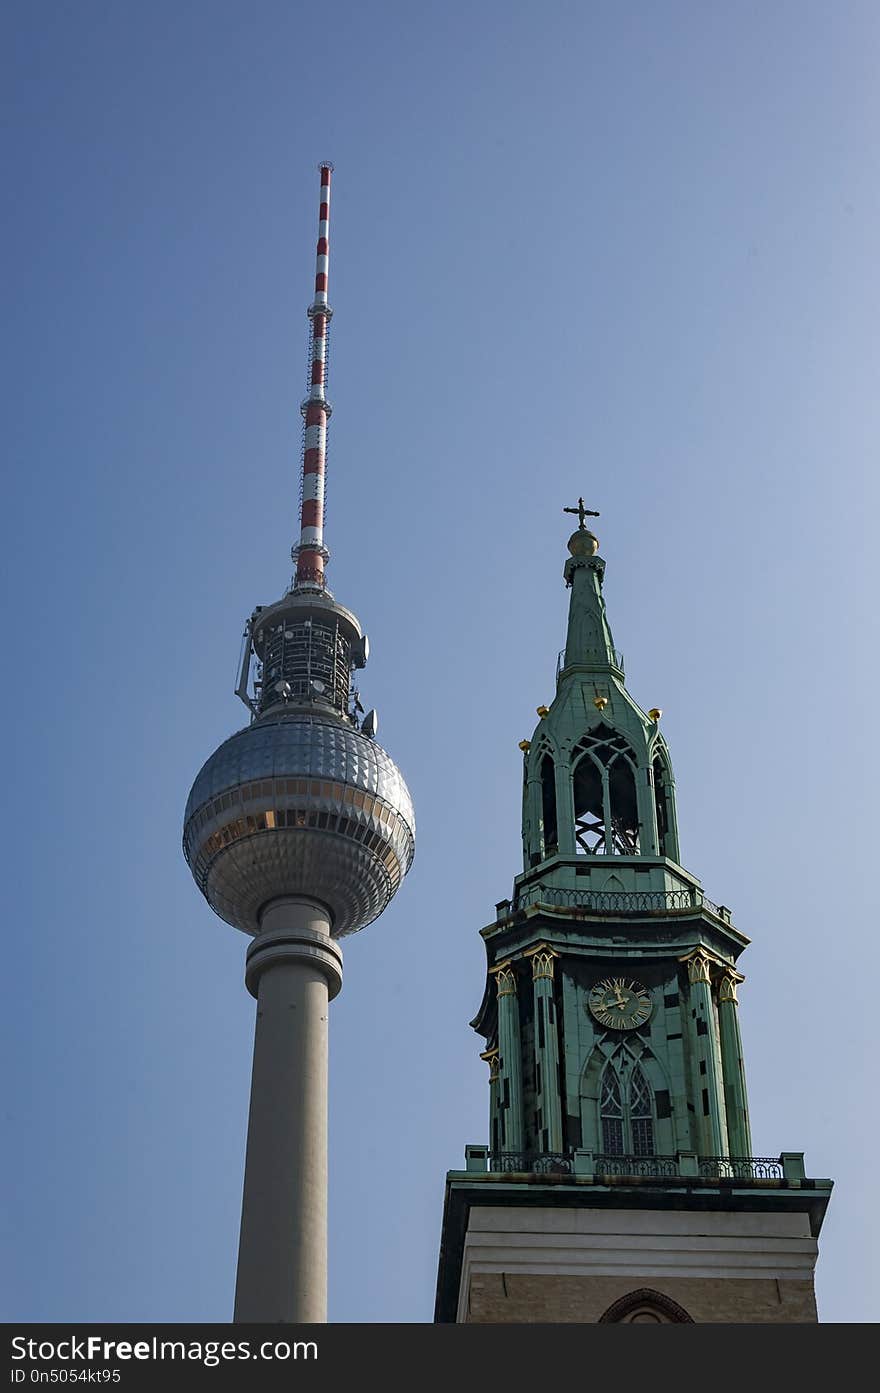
(310, 554)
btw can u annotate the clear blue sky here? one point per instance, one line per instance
(628, 251)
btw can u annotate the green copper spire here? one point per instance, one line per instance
(610, 1011)
(589, 646)
(597, 775)
(616, 1078)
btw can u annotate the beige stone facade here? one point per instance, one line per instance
(522, 1265)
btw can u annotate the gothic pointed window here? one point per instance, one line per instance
(605, 804)
(641, 1118)
(548, 806)
(626, 1111)
(624, 808)
(611, 1109)
(589, 807)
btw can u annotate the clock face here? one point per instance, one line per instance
(619, 1003)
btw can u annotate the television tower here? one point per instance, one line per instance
(298, 830)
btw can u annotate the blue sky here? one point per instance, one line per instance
(624, 251)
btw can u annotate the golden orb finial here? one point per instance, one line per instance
(543, 711)
(525, 746)
(583, 543)
(600, 703)
(655, 713)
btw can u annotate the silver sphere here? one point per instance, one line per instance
(299, 805)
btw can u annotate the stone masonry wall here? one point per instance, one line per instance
(525, 1299)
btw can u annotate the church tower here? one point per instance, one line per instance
(618, 1183)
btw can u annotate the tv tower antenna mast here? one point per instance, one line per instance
(311, 554)
(298, 830)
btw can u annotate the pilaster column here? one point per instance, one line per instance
(546, 1048)
(672, 850)
(564, 805)
(736, 1105)
(704, 1038)
(534, 817)
(491, 1058)
(510, 1100)
(606, 807)
(649, 844)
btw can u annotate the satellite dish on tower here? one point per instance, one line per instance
(370, 724)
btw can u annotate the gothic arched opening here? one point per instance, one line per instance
(550, 832)
(589, 807)
(624, 807)
(606, 813)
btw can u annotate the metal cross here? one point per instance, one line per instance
(582, 512)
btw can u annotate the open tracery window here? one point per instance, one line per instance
(606, 816)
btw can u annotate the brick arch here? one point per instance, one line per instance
(654, 1304)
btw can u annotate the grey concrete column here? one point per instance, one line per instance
(294, 969)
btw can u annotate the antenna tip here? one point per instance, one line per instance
(326, 164)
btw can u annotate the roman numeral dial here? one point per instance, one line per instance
(619, 1003)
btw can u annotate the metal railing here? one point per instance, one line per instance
(741, 1167)
(593, 657)
(535, 1162)
(669, 1167)
(635, 1165)
(619, 901)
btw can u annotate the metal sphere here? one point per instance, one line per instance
(299, 805)
(583, 543)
